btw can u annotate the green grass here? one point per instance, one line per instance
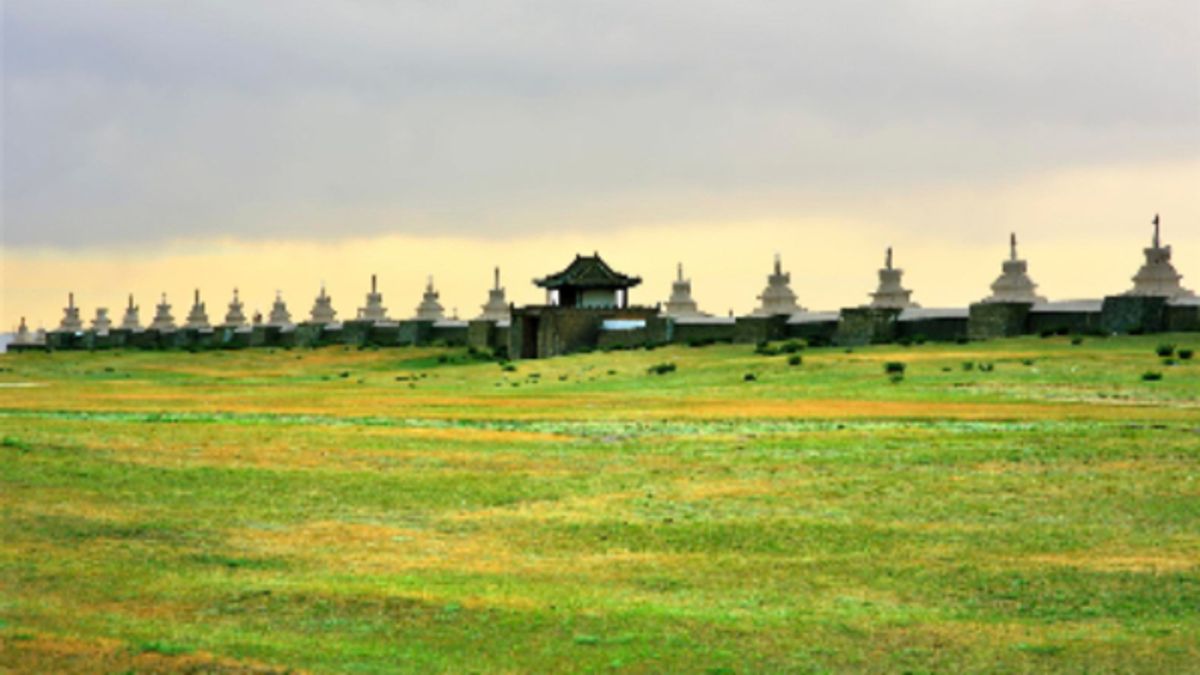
(421, 513)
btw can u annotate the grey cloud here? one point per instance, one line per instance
(151, 121)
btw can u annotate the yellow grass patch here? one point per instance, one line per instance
(1105, 562)
(42, 653)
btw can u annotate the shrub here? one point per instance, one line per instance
(749, 377)
(792, 346)
(1184, 354)
(1165, 350)
(961, 341)
(987, 367)
(765, 349)
(894, 367)
(795, 360)
(1046, 333)
(1076, 340)
(896, 378)
(508, 368)
(1027, 362)
(1151, 376)
(1168, 362)
(968, 365)
(443, 358)
(661, 369)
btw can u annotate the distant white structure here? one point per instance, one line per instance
(496, 308)
(71, 323)
(197, 318)
(891, 294)
(131, 321)
(101, 324)
(681, 305)
(778, 297)
(322, 310)
(279, 317)
(374, 311)
(22, 336)
(430, 309)
(235, 318)
(1158, 277)
(163, 321)
(1014, 284)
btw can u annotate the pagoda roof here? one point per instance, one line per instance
(588, 271)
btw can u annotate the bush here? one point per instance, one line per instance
(1165, 350)
(894, 368)
(792, 346)
(749, 377)
(661, 369)
(1184, 354)
(508, 367)
(987, 367)
(1151, 376)
(1076, 340)
(968, 365)
(896, 378)
(795, 360)
(1046, 333)
(765, 349)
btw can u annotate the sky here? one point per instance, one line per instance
(154, 147)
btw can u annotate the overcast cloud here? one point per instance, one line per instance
(153, 121)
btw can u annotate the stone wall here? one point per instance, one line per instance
(935, 329)
(1183, 318)
(1123, 314)
(815, 333)
(755, 329)
(866, 325)
(997, 319)
(1063, 322)
(701, 333)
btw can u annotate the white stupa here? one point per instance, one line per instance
(778, 297)
(430, 309)
(163, 321)
(891, 294)
(235, 317)
(374, 311)
(1014, 284)
(681, 305)
(197, 318)
(279, 317)
(1158, 277)
(39, 338)
(131, 321)
(71, 323)
(101, 324)
(496, 308)
(322, 310)
(23, 336)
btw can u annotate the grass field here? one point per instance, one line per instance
(1016, 505)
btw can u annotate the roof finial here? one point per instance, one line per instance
(131, 301)
(497, 275)
(1156, 239)
(1012, 246)
(197, 296)
(777, 269)
(679, 272)
(71, 299)
(889, 257)
(372, 283)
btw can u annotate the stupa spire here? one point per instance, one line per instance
(891, 294)
(1014, 284)
(430, 309)
(1157, 276)
(778, 297)
(497, 308)
(163, 321)
(681, 305)
(279, 317)
(131, 321)
(197, 318)
(322, 311)
(71, 323)
(374, 309)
